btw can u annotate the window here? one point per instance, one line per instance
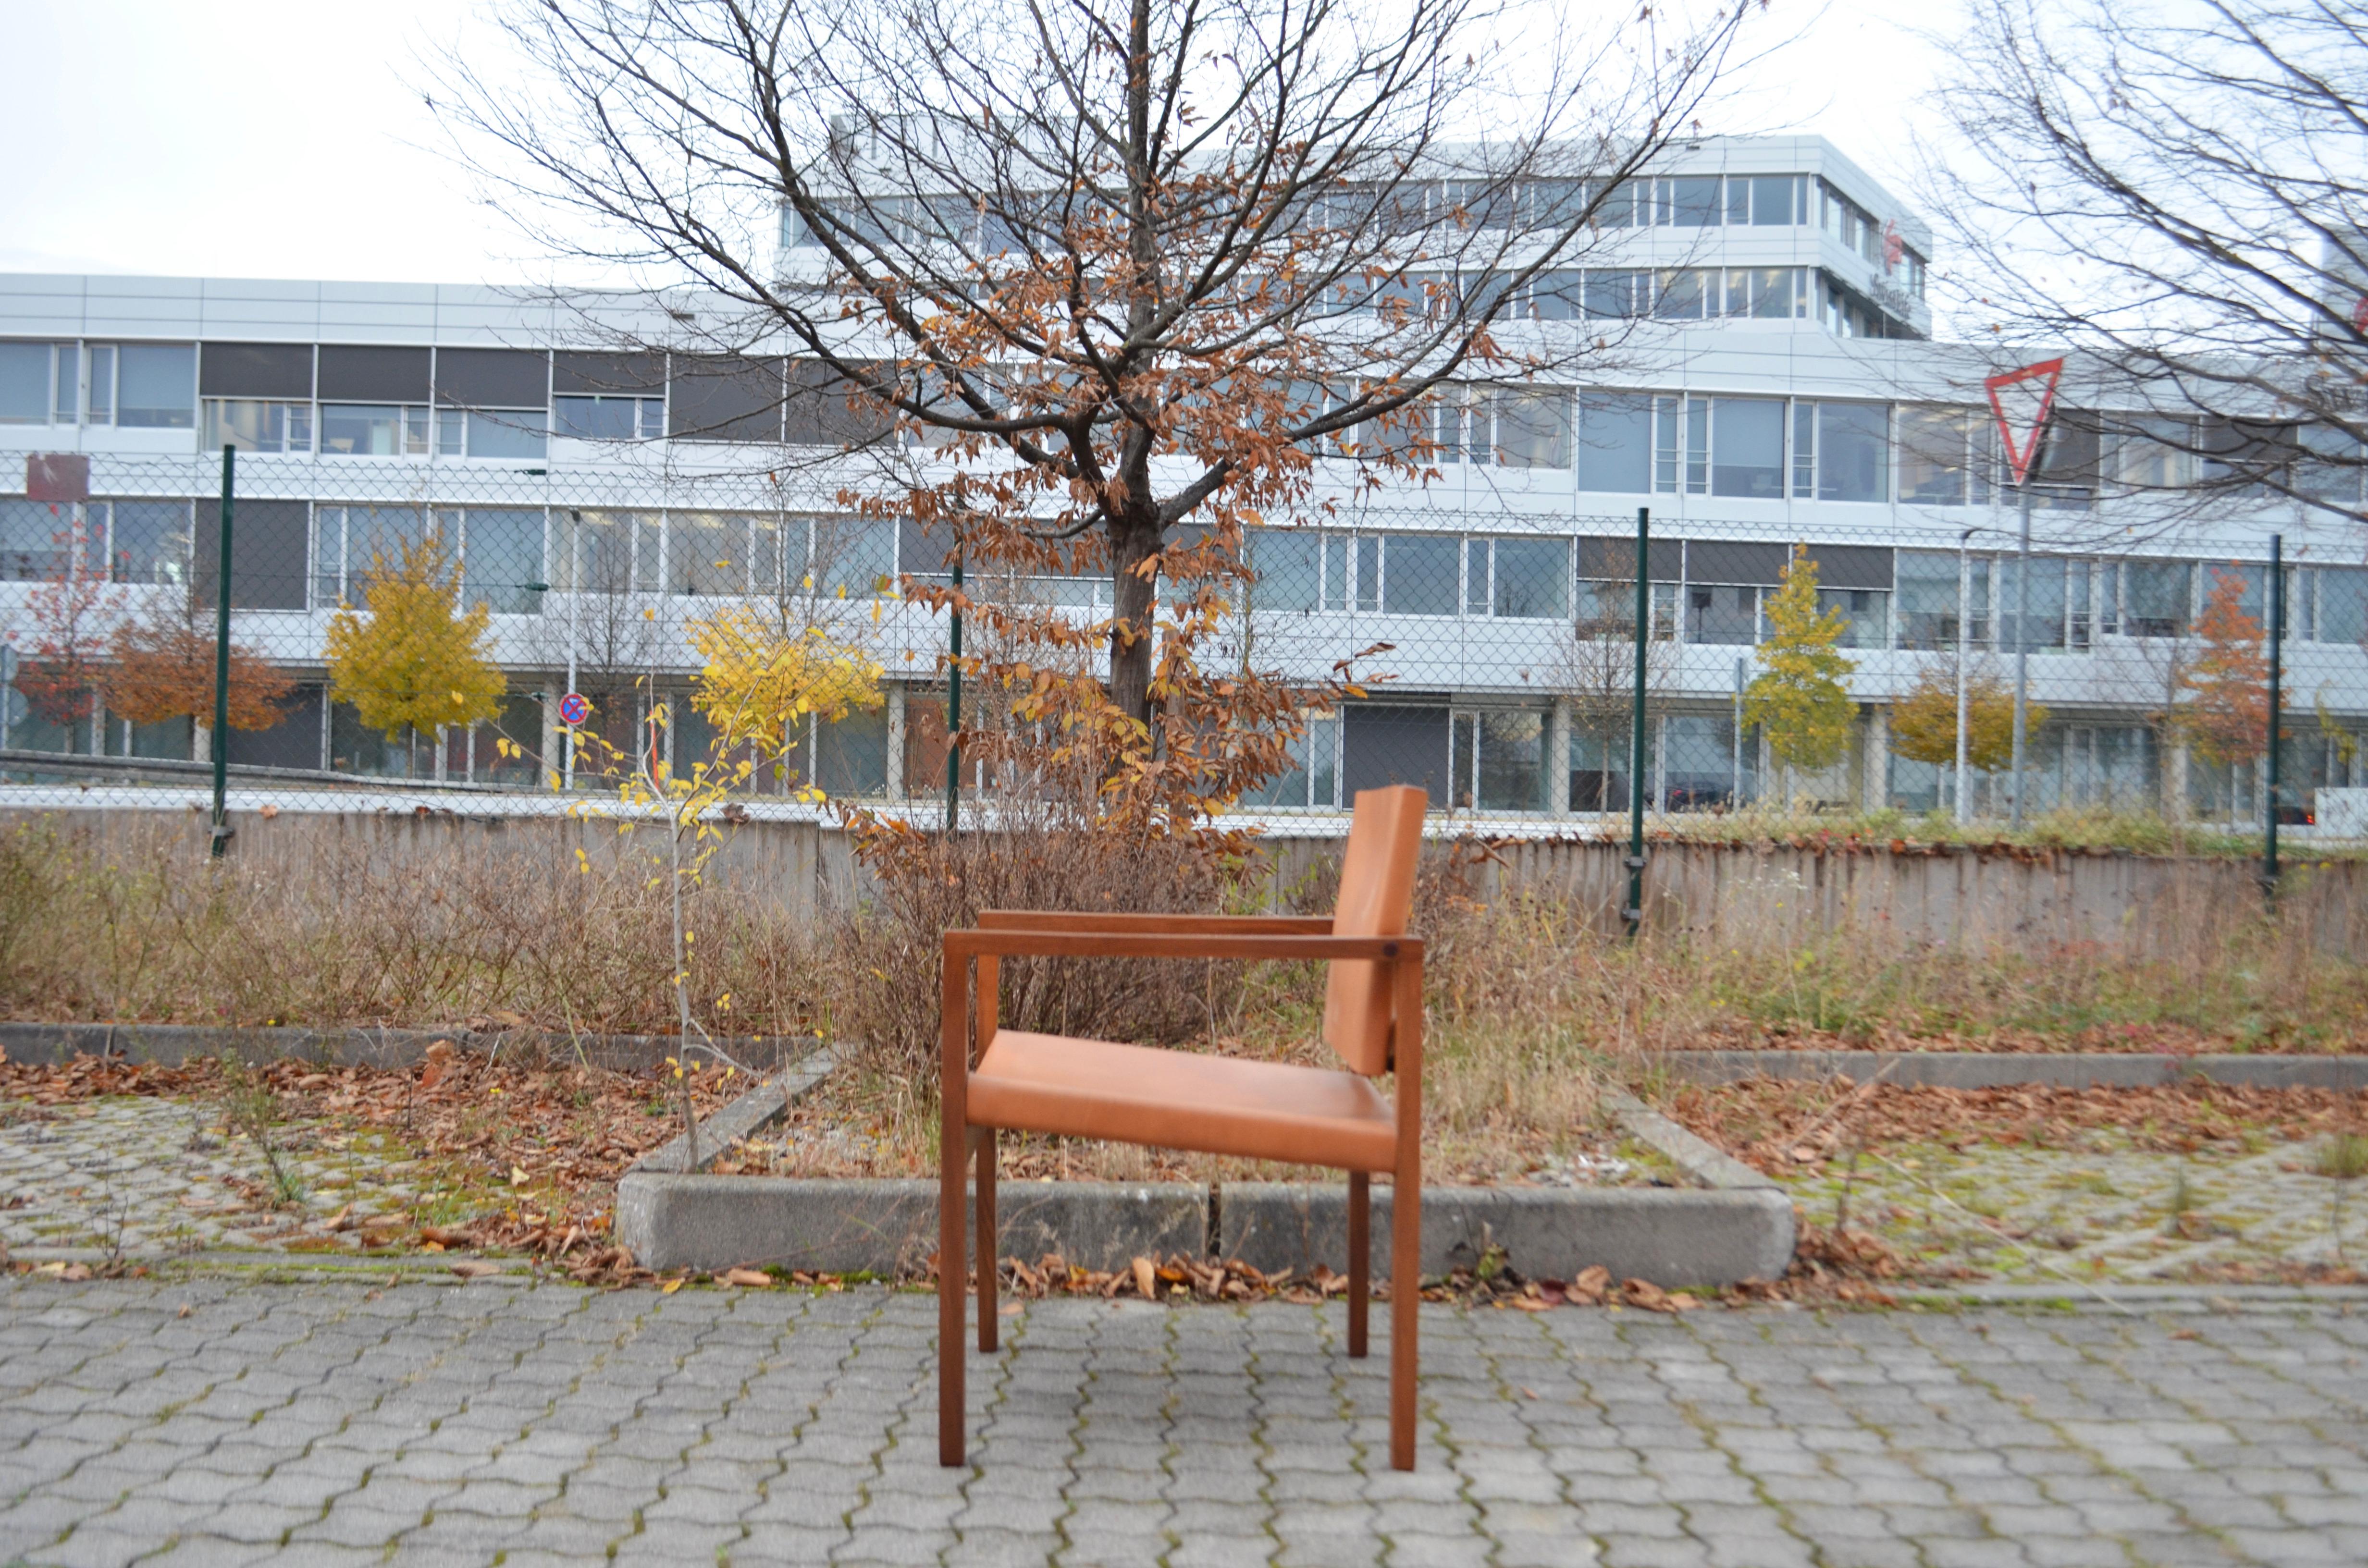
(1419, 572)
(1841, 452)
(1928, 584)
(1688, 202)
(1779, 199)
(1314, 777)
(1681, 445)
(2342, 604)
(1747, 448)
(711, 553)
(1533, 426)
(1767, 293)
(158, 387)
(2042, 625)
(148, 542)
(1290, 567)
(350, 543)
(2159, 596)
(374, 429)
(605, 553)
(25, 383)
(851, 557)
(1723, 616)
(609, 418)
(504, 433)
(501, 559)
(2065, 477)
(1352, 572)
(1934, 446)
(1868, 615)
(252, 426)
(1615, 296)
(1527, 578)
(34, 542)
(1685, 295)
(1499, 761)
(1615, 442)
(1557, 296)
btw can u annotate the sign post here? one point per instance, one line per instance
(221, 836)
(2022, 400)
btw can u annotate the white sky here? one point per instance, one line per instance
(276, 138)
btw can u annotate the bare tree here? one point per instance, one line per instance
(1594, 670)
(1117, 274)
(2177, 193)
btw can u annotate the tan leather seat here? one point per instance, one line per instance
(1176, 1099)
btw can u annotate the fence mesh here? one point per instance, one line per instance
(1503, 614)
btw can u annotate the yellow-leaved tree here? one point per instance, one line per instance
(412, 659)
(1798, 697)
(1924, 723)
(761, 672)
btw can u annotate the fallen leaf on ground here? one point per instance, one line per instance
(754, 1279)
(1146, 1279)
(475, 1268)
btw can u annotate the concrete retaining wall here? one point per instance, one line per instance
(2117, 902)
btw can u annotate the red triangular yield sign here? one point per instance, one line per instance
(2022, 400)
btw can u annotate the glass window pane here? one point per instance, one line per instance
(33, 542)
(249, 425)
(1420, 574)
(1771, 200)
(1614, 296)
(2044, 628)
(710, 554)
(1853, 451)
(1690, 202)
(507, 435)
(151, 543)
(853, 557)
(1679, 296)
(1928, 599)
(594, 418)
(361, 429)
(68, 402)
(501, 557)
(1932, 445)
(24, 383)
(1511, 774)
(1533, 427)
(158, 386)
(1747, 448)
(98, 396)
(595, 552)
(2343, 604)
(2160, 595)
(1533, 578)
(1557, 296)
(1721, 615)
(1286, 561)
(1867, 612)
(1739, 202)
(1615, 443)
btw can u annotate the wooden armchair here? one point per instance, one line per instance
(1174, 1099)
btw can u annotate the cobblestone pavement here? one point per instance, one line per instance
(147, 1176)
(2100, 1213)
(212, 1422)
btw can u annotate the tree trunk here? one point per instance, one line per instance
(1135, 598)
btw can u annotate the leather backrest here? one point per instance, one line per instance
(1376, 898)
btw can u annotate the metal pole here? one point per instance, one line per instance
(953, 714)
(1634, 912)
(220, 837)
(1964, 654)
(2277, 674)
(1734, 799)
(2021, 649)
(574, 618)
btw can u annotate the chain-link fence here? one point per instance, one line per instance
(1491, 621)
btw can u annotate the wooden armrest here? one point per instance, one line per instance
(1090, 920)
(1176, 945)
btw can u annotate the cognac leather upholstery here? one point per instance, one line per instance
(1181, 1099)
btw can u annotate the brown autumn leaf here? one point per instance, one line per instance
(475, 1268)
(754, 1278)
(1146, 1281)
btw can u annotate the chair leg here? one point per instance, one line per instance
(953, 1284)
(1406, 1297)
(986, 1238)
(1360, 1257)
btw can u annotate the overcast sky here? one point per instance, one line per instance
(276, 138)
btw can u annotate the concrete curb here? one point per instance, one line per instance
(48, 1044)
(1995, 1069)
(1734, 1225)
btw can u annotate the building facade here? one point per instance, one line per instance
(1774, 385)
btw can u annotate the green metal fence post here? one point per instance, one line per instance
(220, 837)
(954, 714)
(2277, 674)
(1634, 912)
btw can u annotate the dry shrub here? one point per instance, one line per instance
(1034, 854)
(128, 921)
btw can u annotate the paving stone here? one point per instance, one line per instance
(1239, 1436)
